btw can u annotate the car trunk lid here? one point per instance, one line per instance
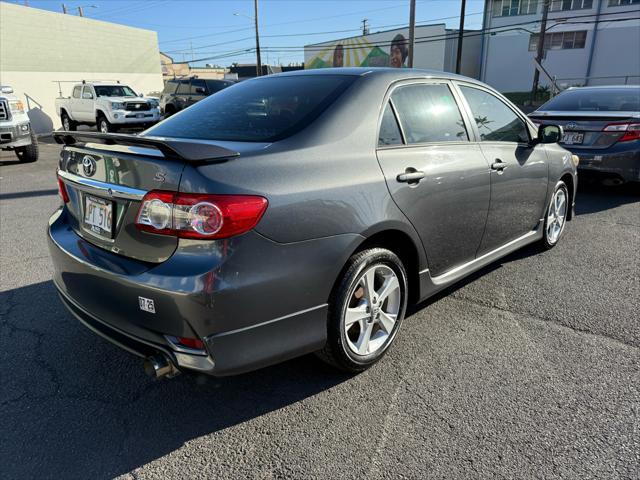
(586, 129)
(106, 176)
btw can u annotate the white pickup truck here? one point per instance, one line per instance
(108, 106)
(15, 129)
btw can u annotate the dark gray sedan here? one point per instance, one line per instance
(601, 126)
(298, 213)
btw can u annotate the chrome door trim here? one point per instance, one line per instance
(102, 188)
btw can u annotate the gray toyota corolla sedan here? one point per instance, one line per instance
(298, 213)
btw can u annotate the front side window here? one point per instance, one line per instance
(495, 120)
(170, 86)
(198, 87)
(389, 130)
(76, 91)
(265, 109)
(184, 87)
(114, 91)
(429, 113)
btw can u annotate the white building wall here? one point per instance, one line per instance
(508, 64)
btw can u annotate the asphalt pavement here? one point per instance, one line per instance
(528, 369)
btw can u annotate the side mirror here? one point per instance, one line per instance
(87, 95)
(6, 90)
(201, 90)
(549, 133)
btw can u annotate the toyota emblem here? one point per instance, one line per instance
(571, 126)
(88, 165)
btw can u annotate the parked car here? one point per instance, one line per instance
(107, 106)
(226, 241)
(184, 92)
(601, 126)
(15, 129)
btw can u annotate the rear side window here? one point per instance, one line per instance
(389, 130)
(183, 87)
(429, 113)
(198, 87)
(495, 120)
(76, 91)
(266, 109)
(217, 85)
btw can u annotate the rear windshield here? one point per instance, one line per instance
(596, 100)
(261, 110)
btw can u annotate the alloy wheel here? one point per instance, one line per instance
(374, 305)
(104, 128)
(556, 216)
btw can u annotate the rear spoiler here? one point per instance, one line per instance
(188, 150)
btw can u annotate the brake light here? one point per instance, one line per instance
(62, 190)
(631, 130)
(193, 215)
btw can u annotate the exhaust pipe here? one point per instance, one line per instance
(612, 181)
(159, 366)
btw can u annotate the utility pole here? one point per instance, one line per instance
(258, 61)
(80, 12)
(460, 35)
(64, 8)
(540, 51)
(365, 27)
(412, 30)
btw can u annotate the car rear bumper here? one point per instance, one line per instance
(245, 300)
(623, 161)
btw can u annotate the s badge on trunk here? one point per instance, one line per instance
(88, 166)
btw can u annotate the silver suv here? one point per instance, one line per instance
(15, 129)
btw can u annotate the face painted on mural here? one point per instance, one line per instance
(398, 51)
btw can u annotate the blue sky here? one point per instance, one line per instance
(211, 29)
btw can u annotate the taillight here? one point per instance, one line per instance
(631, 130)
(62, 190)
(193, 215)
(194, 343)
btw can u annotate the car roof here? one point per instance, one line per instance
(391, 73)
(603, 87)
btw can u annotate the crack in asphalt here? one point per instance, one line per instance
(545, 320)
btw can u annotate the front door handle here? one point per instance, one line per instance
(499, 165)
(411, 175)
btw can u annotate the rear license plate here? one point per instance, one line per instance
(98, 215)
(572, 138)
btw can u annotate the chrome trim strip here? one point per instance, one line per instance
(102, 188)
(445, 277)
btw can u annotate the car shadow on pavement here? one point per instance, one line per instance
(593, 197)
(72, 405)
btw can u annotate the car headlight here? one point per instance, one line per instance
(575, 159)
(154, 103)
(117, 105)
(16, 106)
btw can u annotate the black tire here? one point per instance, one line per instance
(548, 242)
(70, 124)
(337, 351)
(28, 153)
(103, 125)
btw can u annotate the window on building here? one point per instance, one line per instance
(496, 121)
(389, 130)
(429, 113)
(559, 40)
(561, 5)
(619, 3)
(510, 8)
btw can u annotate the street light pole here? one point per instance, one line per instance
(460, 36)
(258, 61)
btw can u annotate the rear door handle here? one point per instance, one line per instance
(410, 176)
